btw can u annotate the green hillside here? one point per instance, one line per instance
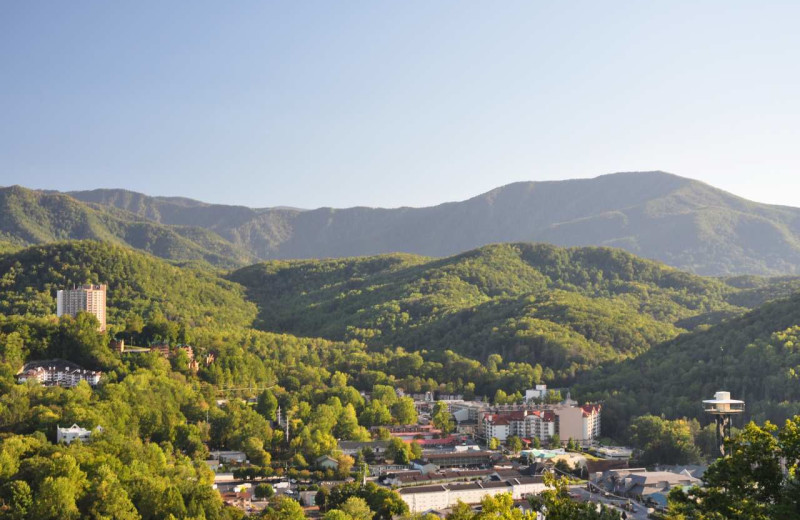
(32, 217)
(756, 357)
(137, 283)
(566, 309)
(613, 320)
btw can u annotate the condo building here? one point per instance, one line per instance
(86, 298)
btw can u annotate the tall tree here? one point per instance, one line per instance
(441, 417)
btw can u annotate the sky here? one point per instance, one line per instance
(412, 103)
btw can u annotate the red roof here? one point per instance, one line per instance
(452, 439)
(507, 417)
(589, 409)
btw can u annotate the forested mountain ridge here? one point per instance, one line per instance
(29, 217)
(137, 283)
(596, 313)
(755, 356)
(566, 309)
(675, 220)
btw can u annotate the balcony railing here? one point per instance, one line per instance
(723, 407)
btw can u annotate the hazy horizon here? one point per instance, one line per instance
(388, 105)
(445, 201)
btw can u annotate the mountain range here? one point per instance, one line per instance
(679, 221)
(638, 335)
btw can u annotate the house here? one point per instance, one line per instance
(227, 457)
(467, 427)
(73, 433)
(117, 345)
(355, 447)
(307, 498)
(326, 462)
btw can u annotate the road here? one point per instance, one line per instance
(639, 514)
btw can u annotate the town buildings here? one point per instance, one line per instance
(86, 298)
(57, 373)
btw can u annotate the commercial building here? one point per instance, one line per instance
(411, 432)
(639, 483)
(86, 298)
(457, 459)
(425, 498)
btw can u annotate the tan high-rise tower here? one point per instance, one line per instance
(86, 298)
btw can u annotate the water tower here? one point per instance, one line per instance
(722, 407)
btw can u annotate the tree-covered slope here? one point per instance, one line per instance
(137, 283)
(566, 309)
(675, 220)
(30, 217)
(756, 357)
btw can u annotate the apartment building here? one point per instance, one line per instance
(86, 298)
(527, 424)
(580, 423)
(57, 373)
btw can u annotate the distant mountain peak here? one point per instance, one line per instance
(655, 214)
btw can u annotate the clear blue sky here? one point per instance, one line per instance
(396, 103)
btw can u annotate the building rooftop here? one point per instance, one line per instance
(354, 445)
(466, 486)
(460, 454)
(48, 364)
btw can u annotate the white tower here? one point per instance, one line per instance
(722, 407)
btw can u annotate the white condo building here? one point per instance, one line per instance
(58, 373)
(86, 298)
